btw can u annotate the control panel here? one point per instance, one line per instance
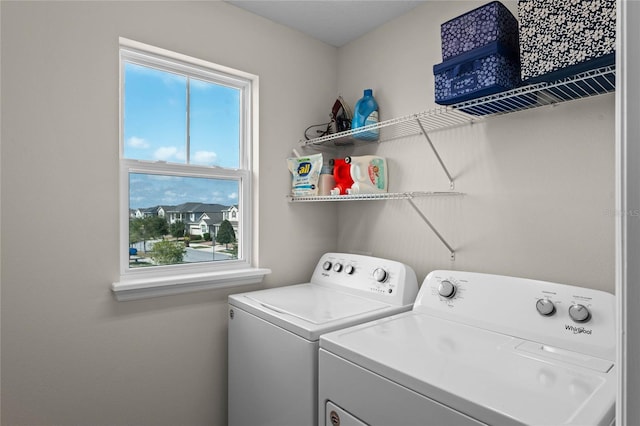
(577, 311)
(561, 315)
(384, 279)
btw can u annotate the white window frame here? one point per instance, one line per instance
(136, 283)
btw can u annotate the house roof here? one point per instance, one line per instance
(213, 218)
(196, 208)
(148, 210)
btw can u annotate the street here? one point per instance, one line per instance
(193, 255)
(203, 255)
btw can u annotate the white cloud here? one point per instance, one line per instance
(147, 190)
(136, 142)
(170, 194)
(168, 153)
(204, 157)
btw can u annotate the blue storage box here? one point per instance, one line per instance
(485, 71)
(490, 23)
(559, 39)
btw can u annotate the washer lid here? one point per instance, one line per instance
(489, 376)
(309, 310)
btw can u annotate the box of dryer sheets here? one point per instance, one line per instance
(559, 39)
(490, 23)
(481, 72)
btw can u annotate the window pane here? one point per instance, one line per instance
(175, 219)
(155, 105)
(214, 124)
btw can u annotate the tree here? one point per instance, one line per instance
(136, 230)
(146, 228)
(157, 226)
(176, 229)
(168, 252)
(226, 234)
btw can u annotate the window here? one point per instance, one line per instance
(186, 142)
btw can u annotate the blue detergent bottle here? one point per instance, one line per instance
(366, 113)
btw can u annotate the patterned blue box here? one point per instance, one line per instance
(559, 39)
(479, 27)
(485, 71)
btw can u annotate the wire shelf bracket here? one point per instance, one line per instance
(435, 152)
(589, 83)
(388, 196)
(452, 252)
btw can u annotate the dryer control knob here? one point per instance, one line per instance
(579, 313)
(337, 267)
(380, 275)
(446, 289)
(349, 269)
(326, 265)
(545, 307)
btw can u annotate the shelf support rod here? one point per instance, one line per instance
(435, 231)
(435, 151)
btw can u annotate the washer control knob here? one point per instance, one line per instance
(446, 289)
(326, 265)
(380, 275)
(579, 313)
(337, 267)
(349, 269)
(545, 307)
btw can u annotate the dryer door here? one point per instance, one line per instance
(336, 416)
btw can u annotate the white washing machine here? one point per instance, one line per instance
(273, 334)
(476, 349)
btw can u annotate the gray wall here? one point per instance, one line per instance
(539, 185)
(71, 354)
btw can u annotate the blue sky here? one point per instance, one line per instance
(147, 190)
(155, 128)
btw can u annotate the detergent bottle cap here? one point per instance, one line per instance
(368, 92)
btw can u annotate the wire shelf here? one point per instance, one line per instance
(370, 197)
(586, 84)
(580, 86)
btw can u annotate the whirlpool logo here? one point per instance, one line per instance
(577, 330)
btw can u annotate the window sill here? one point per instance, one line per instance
(132, 289)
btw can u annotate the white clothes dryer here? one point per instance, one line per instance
(274, 333)
(476, 349)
